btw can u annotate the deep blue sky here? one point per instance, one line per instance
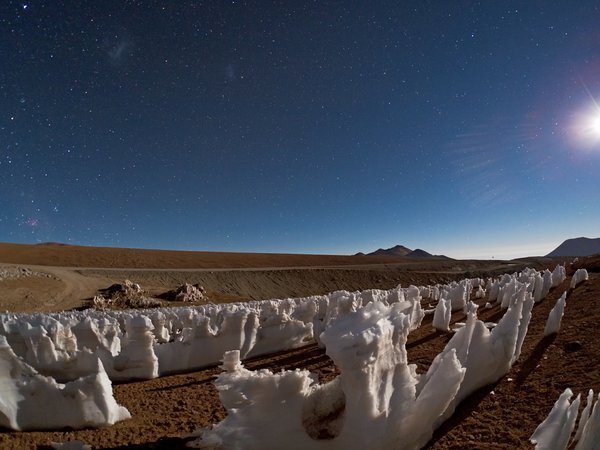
(315, 127)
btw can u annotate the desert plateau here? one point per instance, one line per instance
(166, 410)
(299, 225)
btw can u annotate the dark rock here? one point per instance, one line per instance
(573, 346)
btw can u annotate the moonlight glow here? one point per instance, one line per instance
(594, 125)
(585, 130)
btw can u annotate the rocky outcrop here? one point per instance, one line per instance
(192, 293)
(124, 295)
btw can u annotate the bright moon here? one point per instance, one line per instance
(594, 125)
(585, 129)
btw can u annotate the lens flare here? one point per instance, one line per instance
(594, 126)
(584, 130)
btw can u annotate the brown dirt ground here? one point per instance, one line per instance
(502, 416)
(107, 257)
(75, 274)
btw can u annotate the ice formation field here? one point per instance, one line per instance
(378, 401)
(555, 431)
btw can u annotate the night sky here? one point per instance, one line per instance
(464, 128)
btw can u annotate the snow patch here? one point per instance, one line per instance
(555, 431)
(379, 401)
(85, 402)
(555, 316)
(579, 276)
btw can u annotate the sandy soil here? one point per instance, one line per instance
(67, 277)
(105, 257)
(501, 416)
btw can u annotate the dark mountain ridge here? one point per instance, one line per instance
(400, 251)
(580, 246)
(397, 250)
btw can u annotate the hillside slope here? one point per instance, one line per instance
(580, 246)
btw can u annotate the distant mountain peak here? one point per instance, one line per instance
(397, 250)
(581, 246)
(400, 251)
(419, 253)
